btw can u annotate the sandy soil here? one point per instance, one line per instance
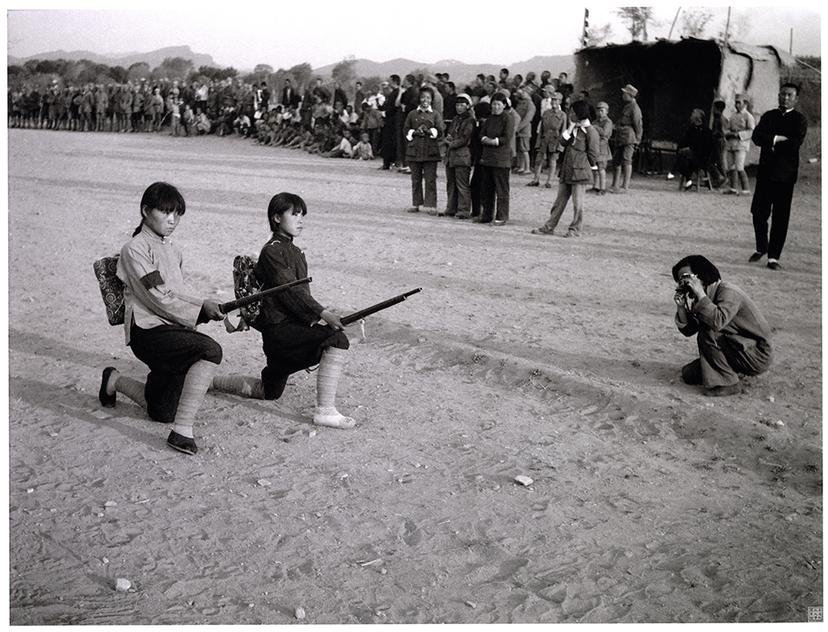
(548, 357)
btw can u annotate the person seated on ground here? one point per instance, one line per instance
(343, 148)
(694, 150)
(241, 125)
(733, 336)
(363, 149)
(202, 123)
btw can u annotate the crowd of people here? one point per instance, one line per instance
(483, 133)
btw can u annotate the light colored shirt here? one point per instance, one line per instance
(150, 267)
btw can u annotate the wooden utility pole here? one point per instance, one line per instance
(790, 43)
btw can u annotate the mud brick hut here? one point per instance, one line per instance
(673, 77)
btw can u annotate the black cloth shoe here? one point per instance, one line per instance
(723, 391)
(181, 443)
(755, 257)
(107, 400)
(774, 265)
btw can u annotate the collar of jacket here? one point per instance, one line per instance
(151, 234)
(280, 237)
(424, 109)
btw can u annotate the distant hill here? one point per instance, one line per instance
(153, 58)
(459, 72)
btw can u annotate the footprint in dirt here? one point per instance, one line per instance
(411, 533)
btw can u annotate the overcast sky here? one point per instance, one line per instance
(242, 34)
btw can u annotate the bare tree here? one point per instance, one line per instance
(739, 27)
(637, 19)
(695, 21)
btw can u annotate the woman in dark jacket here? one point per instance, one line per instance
(423, 128)
(496, 160)
(695, 148)
(458, 159)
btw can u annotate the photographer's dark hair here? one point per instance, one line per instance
(282, 203)
(701, 267)
(162, 196)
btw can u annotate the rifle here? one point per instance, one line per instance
(352, 318)
(252, 298)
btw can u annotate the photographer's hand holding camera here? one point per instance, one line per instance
(733, 337)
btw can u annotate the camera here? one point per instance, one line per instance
(684, 283)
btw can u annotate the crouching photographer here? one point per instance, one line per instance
(733, 337)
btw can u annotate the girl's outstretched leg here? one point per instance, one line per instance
(241, 385)
(327, 380)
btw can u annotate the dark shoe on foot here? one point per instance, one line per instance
(755, 257)
(548, 185)
(543, 230)
(413, 209)
(533, 183)
(571, 233)
(461, 216)
(107, 400)
(181, 443)
(774, 265)
(499, 222)
(723, 391)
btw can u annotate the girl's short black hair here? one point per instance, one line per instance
(701, 267)
(283, 202)
(163, 196)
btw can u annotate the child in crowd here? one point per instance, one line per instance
(553, 123)
(187, 119)
(343, 149)
(458, 159)
(297, 332)
(371, 123)
(603, 125)
(363, 149)
(579, 160)
(161, 315)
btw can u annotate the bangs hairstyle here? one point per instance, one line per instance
(701, 267)
(283, 202)
(163, 196)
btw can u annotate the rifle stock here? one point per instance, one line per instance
(373, 309)
(246, 300)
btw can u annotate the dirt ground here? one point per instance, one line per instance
(523, 355)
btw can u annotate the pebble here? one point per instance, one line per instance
(780, 423)
(30, 490)
(771, 399)
(523, 480)
(299, 613)
(421, 339)
(310, 433)
(263, 482)
(110, 503)
(104, 560)
(470, 604)
(122, 584)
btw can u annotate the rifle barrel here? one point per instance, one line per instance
(229, 306)
(373, 309)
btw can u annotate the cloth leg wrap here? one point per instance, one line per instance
(198, 379)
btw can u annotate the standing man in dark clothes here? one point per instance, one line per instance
(390, 123)
(449, 101)
(289, 97)
(359, 96)
(264, 102)
(779, 133)
(407, 101)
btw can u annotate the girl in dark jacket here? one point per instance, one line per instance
(496, 160)
(423, 129)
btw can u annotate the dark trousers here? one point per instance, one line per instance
(476, 188)
(169, 351)
(771, 198)
(374, 135)
(458, 192)
(389, 142)
(291, 347)
(495, 185)
(424, 173)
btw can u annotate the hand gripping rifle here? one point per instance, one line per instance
(258, 296)
(352, 318)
